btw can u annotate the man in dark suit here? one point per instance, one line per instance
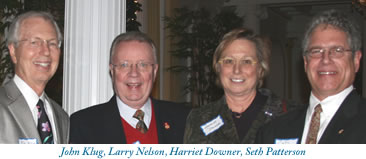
(131, 116)
(336, 113)
(27, 115)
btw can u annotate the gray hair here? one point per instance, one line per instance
(338, 20)
(13, 35)
(132, 36)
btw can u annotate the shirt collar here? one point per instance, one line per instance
(28, 93)
(127, 112)
(330, 104)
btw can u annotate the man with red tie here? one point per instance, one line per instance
(131, 115)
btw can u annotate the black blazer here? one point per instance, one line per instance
(101, 124)
(348, 125)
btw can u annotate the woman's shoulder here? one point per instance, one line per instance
(212, 106)
(272, 98)
(276, 105)
(208, 111)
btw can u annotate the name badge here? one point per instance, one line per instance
(287, 141)
(27, 141)
(212, 125)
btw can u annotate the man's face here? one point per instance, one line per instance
(132, 84)
(330, 75)
(35, 60)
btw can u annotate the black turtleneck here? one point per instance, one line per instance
(243, 121)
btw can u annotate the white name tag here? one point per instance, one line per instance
(27, 141)
(287, 141)
(212, 125)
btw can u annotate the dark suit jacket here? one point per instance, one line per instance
(348, 125)
(101, 124)
(16, 120)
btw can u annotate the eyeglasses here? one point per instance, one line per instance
(38, 43)
(334, 52)
(125, 66)
(230, 62)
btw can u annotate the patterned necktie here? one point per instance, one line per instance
(44, 125)
(140, 126)
(314, 126)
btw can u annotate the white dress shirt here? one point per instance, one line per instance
(330, 105)
(32, 98)
(127, 112)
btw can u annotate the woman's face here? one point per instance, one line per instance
(238, 67)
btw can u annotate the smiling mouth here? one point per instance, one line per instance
(327, 73)
(133, 84)
(42, 64)
(237, 80)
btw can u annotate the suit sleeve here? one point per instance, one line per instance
(75, 136)
(188, 130)
(265, 135)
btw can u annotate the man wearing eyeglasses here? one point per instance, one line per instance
(336, 114)
(27, 114)
(131, 115)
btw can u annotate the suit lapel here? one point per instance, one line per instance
(227, 133)
(159, 117)
(296, 126)
(112, 123)
(20, 111)
(228, 130)
(292, 126)
(58, 122)
(340, 120)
